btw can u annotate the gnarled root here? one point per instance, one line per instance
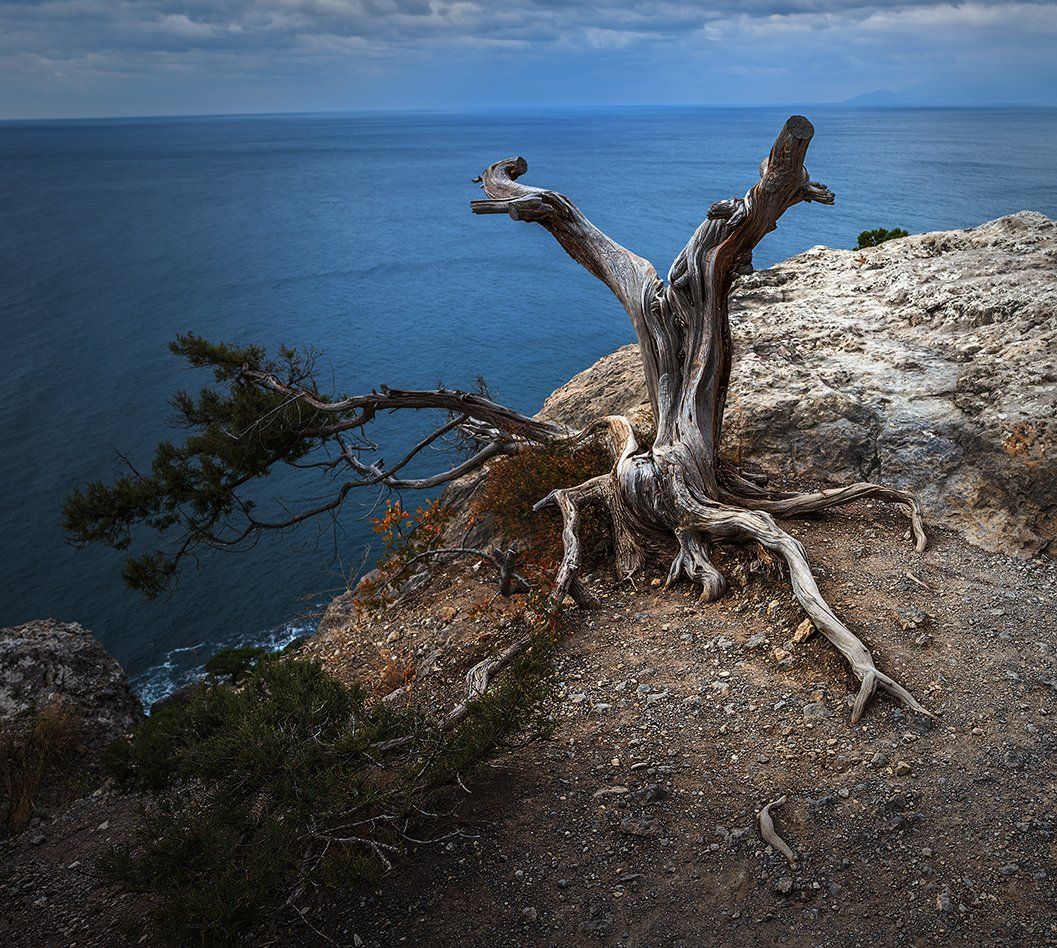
(769, 835)
(789, 504)
(722, 522)
(694, 561)
(569, 499)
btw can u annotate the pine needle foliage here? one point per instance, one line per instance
(266, 800)
(190, 498)
(874, 238)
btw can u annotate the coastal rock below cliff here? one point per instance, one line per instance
(927, 363)
(45, 662)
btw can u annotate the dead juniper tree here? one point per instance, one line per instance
(678, 489)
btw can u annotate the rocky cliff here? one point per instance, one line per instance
(48, 661)
(928, 363)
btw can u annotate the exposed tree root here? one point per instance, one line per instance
(769, 835)
(791, 504)
(569, 499)
(694, 561)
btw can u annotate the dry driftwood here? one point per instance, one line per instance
(769, 835)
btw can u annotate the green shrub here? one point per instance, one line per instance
(265, 799)
(232, 663)
(872, 238)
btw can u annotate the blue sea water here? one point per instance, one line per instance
(352, 233)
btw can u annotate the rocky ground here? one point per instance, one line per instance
(637, 822)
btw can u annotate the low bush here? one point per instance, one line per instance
(233, 663)
(264, 799)
(404, 537)
(29, 749)
(872, 238)
(515, 484)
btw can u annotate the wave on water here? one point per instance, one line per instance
(182, 666)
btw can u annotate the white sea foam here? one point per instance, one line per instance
(186, 664)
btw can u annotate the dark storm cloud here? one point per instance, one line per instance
(362, 52)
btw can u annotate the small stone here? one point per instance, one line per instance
(655, 582)
(780, 654)
(878, 760)
(804, 631)
(784, 885)
(843, 793)
(943, 900)
(912, 619)
(393, 636)
(815, 711)
(645, 828)
(447, 613)
(902, 768)
(1010, 869)
(530, 913)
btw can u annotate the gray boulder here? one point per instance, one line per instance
(46, 661)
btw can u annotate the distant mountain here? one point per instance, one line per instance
(878, 97)
(924, 93)
(938, 92)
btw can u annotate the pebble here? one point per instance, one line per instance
(815, 711)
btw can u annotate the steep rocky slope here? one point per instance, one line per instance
(928, 363)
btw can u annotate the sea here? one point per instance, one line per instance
(352, 234)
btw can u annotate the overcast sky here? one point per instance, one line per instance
(159, 57)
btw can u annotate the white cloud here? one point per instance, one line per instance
(47, 43)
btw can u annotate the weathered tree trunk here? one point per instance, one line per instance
(680, 487)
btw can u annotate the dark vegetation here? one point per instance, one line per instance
(515, 484)
(873, 238)
(190, 498)
(274, 787)
(31, 749)
(233, 663)
(267, 800)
